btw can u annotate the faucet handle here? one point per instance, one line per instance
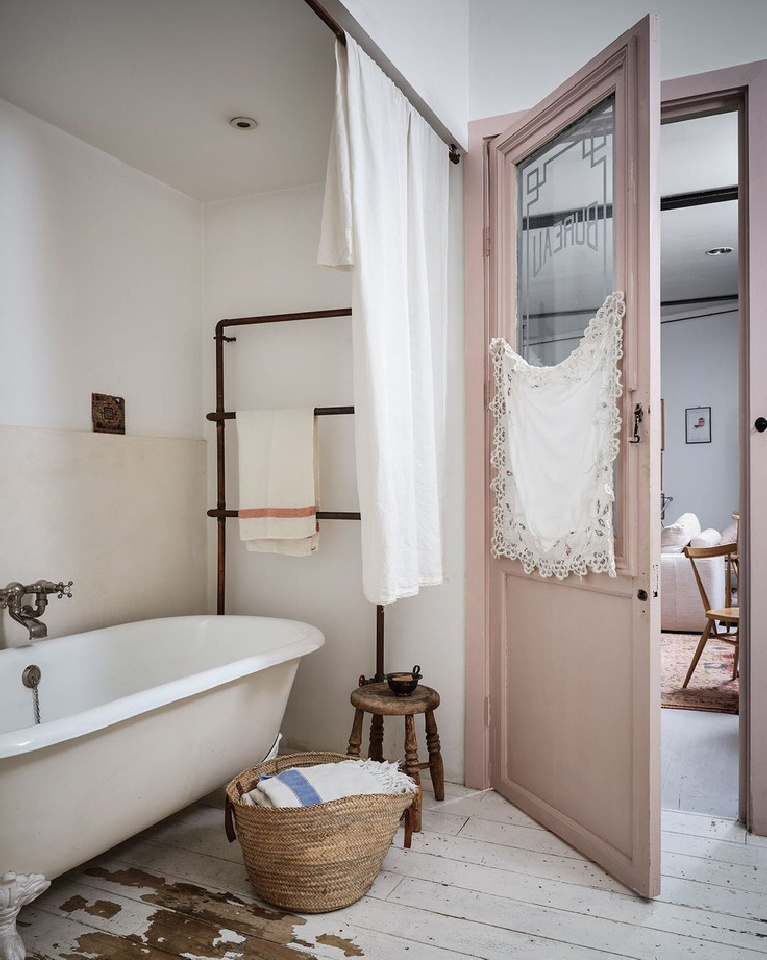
(44, 587)
(11, 593)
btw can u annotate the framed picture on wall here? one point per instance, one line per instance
(697, 425)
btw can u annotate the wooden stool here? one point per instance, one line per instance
(377, 698)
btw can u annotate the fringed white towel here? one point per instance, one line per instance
(278, 481)
(308, 786)
(554, 444)
(385, 215)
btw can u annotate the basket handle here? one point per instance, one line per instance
(231, 836)
(407, 816)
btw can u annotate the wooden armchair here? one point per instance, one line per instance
(728, 616)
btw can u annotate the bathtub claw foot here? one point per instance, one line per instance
(16, 891)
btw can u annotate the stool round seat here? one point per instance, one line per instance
(378, 698)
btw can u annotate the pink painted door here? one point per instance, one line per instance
(574, 664)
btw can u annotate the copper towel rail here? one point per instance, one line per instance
(220, 415)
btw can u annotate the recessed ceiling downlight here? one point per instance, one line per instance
(243, 123)
(718, 251)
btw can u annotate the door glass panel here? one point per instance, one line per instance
(565, 236)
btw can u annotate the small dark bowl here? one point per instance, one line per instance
(403, 684)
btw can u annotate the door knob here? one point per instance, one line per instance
(761, 424)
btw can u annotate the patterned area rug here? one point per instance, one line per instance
(710, 688)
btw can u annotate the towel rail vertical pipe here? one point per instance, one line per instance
(220, 476)
(221, 415)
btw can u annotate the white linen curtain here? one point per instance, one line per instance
(554, 444)
(385, 216)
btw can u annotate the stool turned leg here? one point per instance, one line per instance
(435, 757)
(355, 739)
(375, 751)
(411, 769)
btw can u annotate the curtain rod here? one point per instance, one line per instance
(322, 13)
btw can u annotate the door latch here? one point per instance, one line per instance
(638, 418)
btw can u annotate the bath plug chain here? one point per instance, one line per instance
(30, 677)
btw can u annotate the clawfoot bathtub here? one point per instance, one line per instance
(138, 721)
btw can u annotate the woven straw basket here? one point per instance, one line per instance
(312, 859)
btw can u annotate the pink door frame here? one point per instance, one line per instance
(686, 96)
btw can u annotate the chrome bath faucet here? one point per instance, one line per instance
(28, 616)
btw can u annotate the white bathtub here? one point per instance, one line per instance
(138, 721)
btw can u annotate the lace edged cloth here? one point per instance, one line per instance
(554, 444)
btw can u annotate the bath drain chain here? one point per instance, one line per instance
(30, 677)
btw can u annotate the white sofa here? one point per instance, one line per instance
(681, 605)
(681, 608)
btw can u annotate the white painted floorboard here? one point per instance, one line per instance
(482, 881)
(699, 762)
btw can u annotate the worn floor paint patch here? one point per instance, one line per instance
(225, 910)
(171, 934)
(193, 922)
(347, 946)
(182, 920)
(100, 908)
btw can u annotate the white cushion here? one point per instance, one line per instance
(675, 537)
(707, 538)
(730, 534)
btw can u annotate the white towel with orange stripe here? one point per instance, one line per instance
(278, 481)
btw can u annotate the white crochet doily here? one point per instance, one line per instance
(553, 487)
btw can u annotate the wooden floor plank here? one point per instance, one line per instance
(441, 821)
(486, 804)
(609, 936)
(733, 876)
(510, 835)
(716, 899)
(178, 918)
(468, 938)
(718, 850)
(699, 752)
(527, 862)
(623, 907)
(50, 937)
(698, 825)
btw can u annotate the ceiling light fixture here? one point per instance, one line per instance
(718, 251)
(243, 123)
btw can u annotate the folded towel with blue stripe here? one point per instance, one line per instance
(308, 786)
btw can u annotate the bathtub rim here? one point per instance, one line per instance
(27, 740)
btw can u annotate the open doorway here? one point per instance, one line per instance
(700, 480)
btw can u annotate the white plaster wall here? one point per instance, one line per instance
(100, 286)
(120, 516)
(260, 258)
(100, 291)
(699, 368)
(520, 51)
(428, 42)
